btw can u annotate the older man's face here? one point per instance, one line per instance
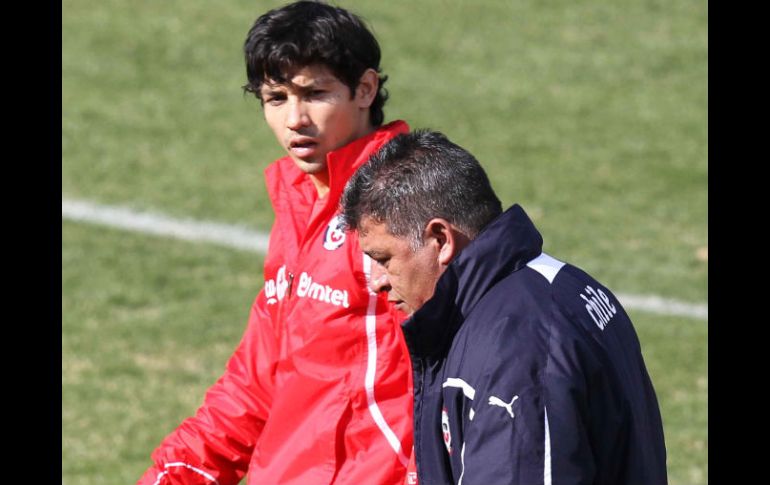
(408, 276)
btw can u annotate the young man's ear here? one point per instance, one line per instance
(448, 241)
(367, 88)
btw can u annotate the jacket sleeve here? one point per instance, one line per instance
(215, 445)
(529, 423)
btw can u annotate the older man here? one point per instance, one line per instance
(526, 369)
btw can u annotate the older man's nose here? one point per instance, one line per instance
(379, 279)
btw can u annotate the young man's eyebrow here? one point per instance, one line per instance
(268, 89)
(313, 84)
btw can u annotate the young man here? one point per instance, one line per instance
(526, 369)
(317, 391)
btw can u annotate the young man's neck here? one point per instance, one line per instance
(321, 182)
(321, 179)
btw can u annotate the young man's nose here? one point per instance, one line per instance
(296, 117)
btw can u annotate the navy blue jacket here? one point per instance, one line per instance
(528, 371)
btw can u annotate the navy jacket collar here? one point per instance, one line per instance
(507, 244)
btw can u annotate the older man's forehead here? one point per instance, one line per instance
(368, 224)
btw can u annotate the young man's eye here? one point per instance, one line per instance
(273, 98)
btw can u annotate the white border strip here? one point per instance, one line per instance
(242, 238)
(547, 451)
(371, 369)
(185, 465)
(469, 391)
(547, 266)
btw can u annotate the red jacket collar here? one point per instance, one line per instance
(283, 176)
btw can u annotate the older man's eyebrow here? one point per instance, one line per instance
(376, 254)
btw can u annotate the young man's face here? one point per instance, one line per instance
(408, 276)
(313, 114)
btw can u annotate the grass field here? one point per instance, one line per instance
(592, 115)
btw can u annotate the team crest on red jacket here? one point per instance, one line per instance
(445, 430)
(335, 234)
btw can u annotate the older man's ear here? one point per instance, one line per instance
(447, 239)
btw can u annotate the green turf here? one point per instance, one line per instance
(676, 353)
(592, 115)
(147, 326)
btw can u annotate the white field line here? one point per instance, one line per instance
(663, 306)
(245, 239)
(161, 225)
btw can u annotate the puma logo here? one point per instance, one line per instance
(496, 401)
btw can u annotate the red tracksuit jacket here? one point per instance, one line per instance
(319, 389)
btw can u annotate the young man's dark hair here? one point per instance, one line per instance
(526, 369)
(331, 36)
(418, 176)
